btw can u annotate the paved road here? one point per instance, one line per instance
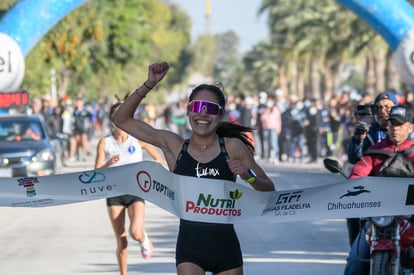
(78, 238)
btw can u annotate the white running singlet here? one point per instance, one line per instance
(130, 151)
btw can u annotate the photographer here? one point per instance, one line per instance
(366, 134)
(376, 164)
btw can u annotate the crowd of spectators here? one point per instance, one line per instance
(73, 122)
(288, 129)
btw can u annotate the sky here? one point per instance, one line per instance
(240, 16)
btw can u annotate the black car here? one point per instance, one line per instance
(25, 147)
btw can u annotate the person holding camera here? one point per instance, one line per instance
(375, 165)
(366, 135)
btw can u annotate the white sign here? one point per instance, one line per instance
(12, 64)
(212, 200)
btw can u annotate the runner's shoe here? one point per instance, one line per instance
(146, 247)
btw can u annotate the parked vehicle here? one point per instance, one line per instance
(390, 239)
(25, 147)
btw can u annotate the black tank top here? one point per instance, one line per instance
(215, 169)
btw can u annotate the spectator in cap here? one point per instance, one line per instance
(400, 125)
(401, 115)
(375, 133)
(366, 135)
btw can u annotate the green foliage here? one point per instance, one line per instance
(127, 40)
(355, 80)
(261, 63)
(105, 46)
(37, 78)
(225, 55)
(314, 31)
(5, 5)
(202, 50)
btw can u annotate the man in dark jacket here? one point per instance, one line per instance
(367, 136)
(398, 139)
(378, 129)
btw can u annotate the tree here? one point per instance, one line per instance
(225, 56)
(101, 47)
(323, 35)
(5, 5)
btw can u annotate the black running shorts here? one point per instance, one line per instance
(124, 200)
(213, 247)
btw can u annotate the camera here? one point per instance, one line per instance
(366, 110)
(360, 128)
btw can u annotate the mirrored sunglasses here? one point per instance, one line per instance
(197, 106)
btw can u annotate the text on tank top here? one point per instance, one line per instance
(217, 168)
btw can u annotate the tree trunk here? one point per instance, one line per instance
(328, 83)
(281, 71)
(314, 79)
(369, 73)
(63, 82)
(392, 79)
(379, 66)
(293, 78)
(301, 80)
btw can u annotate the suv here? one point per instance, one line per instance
(25, 147)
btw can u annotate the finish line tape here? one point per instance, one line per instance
(217, 201)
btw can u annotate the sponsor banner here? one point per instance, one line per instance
(214, 200)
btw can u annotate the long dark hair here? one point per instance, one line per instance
(225, 128)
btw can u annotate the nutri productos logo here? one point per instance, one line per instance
(209, 205)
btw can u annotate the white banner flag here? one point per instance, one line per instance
(214, 200)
